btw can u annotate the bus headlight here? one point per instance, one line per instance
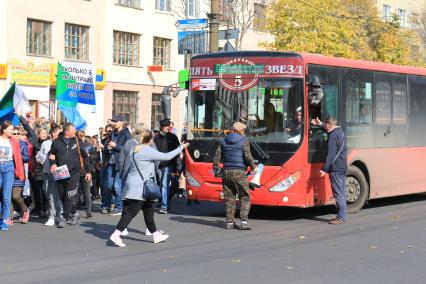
(192, 181)
(286, 184)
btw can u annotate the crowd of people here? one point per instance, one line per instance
(52, 171)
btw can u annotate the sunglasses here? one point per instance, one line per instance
(16, 133)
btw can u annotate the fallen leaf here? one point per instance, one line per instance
(396, 217)
(373, 246)
(302, 237)
(7, 268)
(289, 267)
(236, 261)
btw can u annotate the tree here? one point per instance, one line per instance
(342, 28)
(239, 14)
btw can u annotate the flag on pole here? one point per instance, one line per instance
(13, 103)
(75, 85)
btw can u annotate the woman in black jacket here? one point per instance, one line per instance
(36, 138)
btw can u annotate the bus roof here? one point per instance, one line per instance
(319, 59)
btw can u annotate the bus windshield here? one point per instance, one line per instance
(272, 111)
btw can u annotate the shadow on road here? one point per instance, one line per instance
(217, 223)
(405, 199)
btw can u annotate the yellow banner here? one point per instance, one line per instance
(29, 74)
(3, 71)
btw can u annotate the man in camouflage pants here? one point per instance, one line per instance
(235, 153)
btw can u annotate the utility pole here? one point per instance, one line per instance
(214, 16)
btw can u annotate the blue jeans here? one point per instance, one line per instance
(112, 181)
(6, 183)
(166, 174)
(338, 186)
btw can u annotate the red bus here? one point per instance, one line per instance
(381, 108)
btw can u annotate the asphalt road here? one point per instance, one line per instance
(384, 243)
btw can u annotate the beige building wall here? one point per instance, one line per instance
(103, 17)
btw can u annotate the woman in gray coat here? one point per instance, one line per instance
(145, 158)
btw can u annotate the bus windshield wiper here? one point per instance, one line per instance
(258, 150)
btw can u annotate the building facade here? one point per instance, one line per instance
(121, 38)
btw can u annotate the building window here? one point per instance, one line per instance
(130, 3)
(163, 5)
(126, 48)
(387, 12)
(126, 104)
(156, 111)
(259, 20)
(76, 42)
(402, 16)
(39, 37)
(162, 52)
(192, 10)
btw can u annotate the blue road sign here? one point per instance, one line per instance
(191, 24)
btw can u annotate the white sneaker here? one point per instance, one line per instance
(125, 233)
(117, 241)
(50, 222)
(148, 233)
(158, 238)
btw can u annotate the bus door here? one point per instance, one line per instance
(323, 101)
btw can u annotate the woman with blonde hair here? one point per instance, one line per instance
(142, 167)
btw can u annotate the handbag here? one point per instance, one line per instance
(150, 189)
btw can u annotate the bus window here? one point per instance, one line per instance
(417, 114)
(390, 111)
(383, 103)
(399, 104)
(359, 97)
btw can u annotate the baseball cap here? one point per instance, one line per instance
(239, 126)
(165, 122)
(116, 118)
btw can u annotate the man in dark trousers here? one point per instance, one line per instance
(119, 137)
(335, 165)
(66, 151)
(165, 141)
(235, 153)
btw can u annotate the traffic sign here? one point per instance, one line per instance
(191, 24)
(229, 34)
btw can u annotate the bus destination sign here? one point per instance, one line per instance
(239, 74)
(239, 69)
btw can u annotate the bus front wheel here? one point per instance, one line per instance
(356, 189)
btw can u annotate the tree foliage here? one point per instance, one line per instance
(342, 28)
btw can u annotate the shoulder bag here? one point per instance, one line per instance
(82, 170)
(150, 191)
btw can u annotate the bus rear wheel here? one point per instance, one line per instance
(356, 189)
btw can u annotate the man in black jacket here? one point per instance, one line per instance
(119, 137)
(165, 141)
(66, 151)
(335, 165)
